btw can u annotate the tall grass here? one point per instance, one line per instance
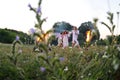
(98, 62)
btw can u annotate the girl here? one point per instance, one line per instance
(65, 39)
(75, 34)
(59, 36)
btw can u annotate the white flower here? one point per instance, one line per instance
(82, 76)
(20, 51)
(70, 47)
(114, 62)
(89, 74)
(104, 56)
(81, 52)
(118, 48)
(66, 68)
(106, 47)
(97, 53)
(116, 66)
(36, 49)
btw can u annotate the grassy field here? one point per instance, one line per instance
(94, 63)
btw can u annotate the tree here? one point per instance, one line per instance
(8, 35)
(86, 26)
(62, 26)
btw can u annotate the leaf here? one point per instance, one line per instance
(41, 57)
(36, 25)
(19, 42)
(33, 9)
(38, 35)
(46, 60)
(95, 20)
(49, 31)
(55, 61)
(50, 39)
(41, 22)
(39, 3)
(113, 28)
(111, 20)
(21, 72)
(17, 55)
(106, 26)
(110, 17)
(10, 57)
(44, 47)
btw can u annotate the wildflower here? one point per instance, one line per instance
(39, 10)
(104, 56)
(114, 62)
(17, 38)
(106, 47)
(97, 53)
(66, 68)
(89, 74)
(82, 76)
(118, 48)
(81, 52)
(20, 51)
(61, 59)
(42, 69)
(70, 47)
(37, 49)
(116, 66)
(29, 5)
(32, 31)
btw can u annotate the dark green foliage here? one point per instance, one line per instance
(118, 39)
(88, 26)
(62, 26)
(81, 39)
(98, 62)
(10, 72)
(52, 40)
(85, 26)
(8, 36)
(101, 42)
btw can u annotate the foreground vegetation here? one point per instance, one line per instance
(94, 63)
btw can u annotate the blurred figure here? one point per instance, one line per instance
(65, 39)
(60, 39)
(75, 33)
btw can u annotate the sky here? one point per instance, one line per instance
(15, 14)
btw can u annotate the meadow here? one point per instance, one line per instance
(94, 63)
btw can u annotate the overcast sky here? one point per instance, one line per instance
(15, 14)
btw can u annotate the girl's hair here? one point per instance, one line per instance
(65, 32)
(74, 27)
